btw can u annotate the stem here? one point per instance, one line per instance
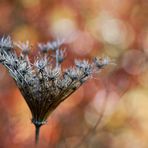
(57, 57)
(37, 125)
(37, 131)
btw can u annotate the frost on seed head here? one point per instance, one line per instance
(6, 43)
(43, 82)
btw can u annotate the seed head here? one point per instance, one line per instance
(43, 82)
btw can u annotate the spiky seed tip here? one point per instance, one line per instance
(25, 47)
(6, 43)
(101, 62)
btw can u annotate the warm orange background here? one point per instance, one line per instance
(118, 96)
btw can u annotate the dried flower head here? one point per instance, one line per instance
(45, 84)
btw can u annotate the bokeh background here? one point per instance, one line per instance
(108, 111)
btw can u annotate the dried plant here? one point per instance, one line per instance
(43, 83)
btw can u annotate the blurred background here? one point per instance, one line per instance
(108, 111)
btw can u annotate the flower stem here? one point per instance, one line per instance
(37, 125)
(37, 131)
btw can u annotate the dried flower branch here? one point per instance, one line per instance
(45, 84)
